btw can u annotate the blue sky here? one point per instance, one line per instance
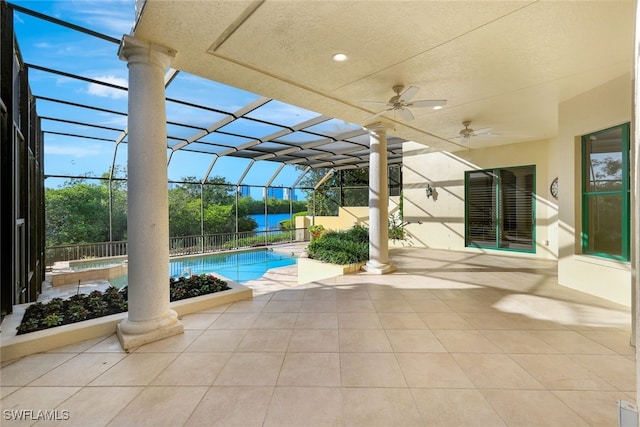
(48, 45)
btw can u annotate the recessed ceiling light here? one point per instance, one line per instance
(340, 57)
(438, 107)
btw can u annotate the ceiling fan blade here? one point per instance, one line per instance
(405, 114)
(408, 93)
(428, 103)
(483, 131)
(377, 114)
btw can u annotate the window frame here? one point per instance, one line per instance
(624, 192)
(497, 209)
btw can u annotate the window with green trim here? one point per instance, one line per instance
(500, 208)
(606, 193)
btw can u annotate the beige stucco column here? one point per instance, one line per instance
(150, 317)
(378, 200)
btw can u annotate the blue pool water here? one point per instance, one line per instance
(237, 266)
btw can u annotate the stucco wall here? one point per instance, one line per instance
(605, 106)
(438, 222)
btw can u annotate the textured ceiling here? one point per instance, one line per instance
(501, 65)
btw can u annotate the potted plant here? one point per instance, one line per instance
(316, 231)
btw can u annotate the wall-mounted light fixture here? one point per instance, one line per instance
(429, 191)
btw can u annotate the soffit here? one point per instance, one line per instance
(504, 65)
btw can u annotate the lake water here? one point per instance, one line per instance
(272, 219)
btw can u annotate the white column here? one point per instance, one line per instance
(378, 200)
(150, 317)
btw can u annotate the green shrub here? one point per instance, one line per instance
(341, 247)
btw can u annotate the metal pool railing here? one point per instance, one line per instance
(185, 245)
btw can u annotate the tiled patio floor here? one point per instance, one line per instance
(451, 339)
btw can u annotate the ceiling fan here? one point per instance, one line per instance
(466, 133)
(401, 102)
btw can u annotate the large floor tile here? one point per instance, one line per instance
(27, 369)
(445, 321)
(80, 370)
(251, 369)
(466, 341)
(518, 341)
(198, 320)
(359, 321)
(495, 371)
(532, 408)
(34, 399)
(347, 305)
(616, 370)
(560, 372)
(459, 408)
(314, 340)
(95, 406)
(597, 408)
(415, 340)
(217, 340)
(571, 342)
(275, 321)
(224, 406)
(310, 369)
(135, 369)
(364, 341)
(370, 370)
(160, 406)
(381, 407)
(432, 370)
(305, 406)
(615, 340)
(317, 321)
(173, 344)
(401, 321)
(196, 369)
(265, 340)
(234, 321)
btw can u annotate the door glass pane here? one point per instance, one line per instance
(603, 159)
(481, 230)
(604, 224)
(516, 208)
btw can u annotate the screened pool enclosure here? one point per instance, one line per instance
(231, 155)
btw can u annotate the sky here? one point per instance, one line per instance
(44, 44)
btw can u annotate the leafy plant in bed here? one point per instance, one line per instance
(341, 247)
(79, 307)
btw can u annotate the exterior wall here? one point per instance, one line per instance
(604, 106)
(438, 222)
(347, 217)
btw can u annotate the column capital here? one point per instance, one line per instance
(379, 126)
(133, 49)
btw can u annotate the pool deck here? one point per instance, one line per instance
(449, 339)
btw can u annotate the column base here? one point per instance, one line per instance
(134, 334)
(378, 268)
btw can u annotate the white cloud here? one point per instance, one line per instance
(85, 151)
(105, 91)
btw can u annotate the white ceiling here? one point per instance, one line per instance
(504, 65)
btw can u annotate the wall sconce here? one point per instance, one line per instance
(429, 191)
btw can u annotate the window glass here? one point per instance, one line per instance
(605, 194)
(499, 208)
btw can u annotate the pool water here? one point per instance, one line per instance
(237, 266)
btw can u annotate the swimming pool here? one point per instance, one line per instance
(237, 266)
